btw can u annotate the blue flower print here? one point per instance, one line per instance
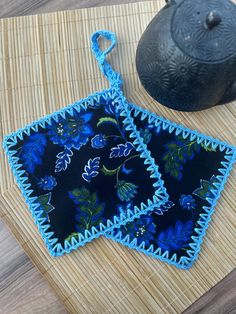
(125, 170)
(145, 230)
(57, 132)
(126, 190)
(72, 131)
(176, 237)
(142, 229)
(47, 183)
(187, 202)
(98, 141)
(32, 151)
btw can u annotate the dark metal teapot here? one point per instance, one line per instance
(186, 58)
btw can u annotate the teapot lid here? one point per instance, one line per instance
(205, 29)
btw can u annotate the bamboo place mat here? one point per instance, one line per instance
(46, 63)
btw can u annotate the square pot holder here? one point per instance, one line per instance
(76, 166)
(194, 168)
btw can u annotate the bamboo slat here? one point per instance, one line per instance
(46, 63)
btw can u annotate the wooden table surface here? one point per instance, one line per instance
(22, 287)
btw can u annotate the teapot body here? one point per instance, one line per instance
(174, 73)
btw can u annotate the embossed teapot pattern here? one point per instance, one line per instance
(186, 58)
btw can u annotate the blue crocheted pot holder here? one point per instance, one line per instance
(76, 166)
(194, 168)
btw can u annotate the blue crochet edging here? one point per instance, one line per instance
(184, 262)
(113, 77)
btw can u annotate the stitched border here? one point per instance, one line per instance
(55, 248)
(184, 262)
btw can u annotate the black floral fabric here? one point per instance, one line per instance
(82, 167)
(191, 171)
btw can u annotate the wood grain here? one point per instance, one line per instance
(25, 7)
(22, 287)
(219, 299)
(141, 290)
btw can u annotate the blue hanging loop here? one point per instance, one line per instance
(113, 77)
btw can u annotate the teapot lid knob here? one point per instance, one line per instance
(205, 30)
(212, 20)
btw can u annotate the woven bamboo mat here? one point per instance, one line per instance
(45, 63)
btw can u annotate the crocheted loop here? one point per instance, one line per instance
(113, 77)
(99, 54)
